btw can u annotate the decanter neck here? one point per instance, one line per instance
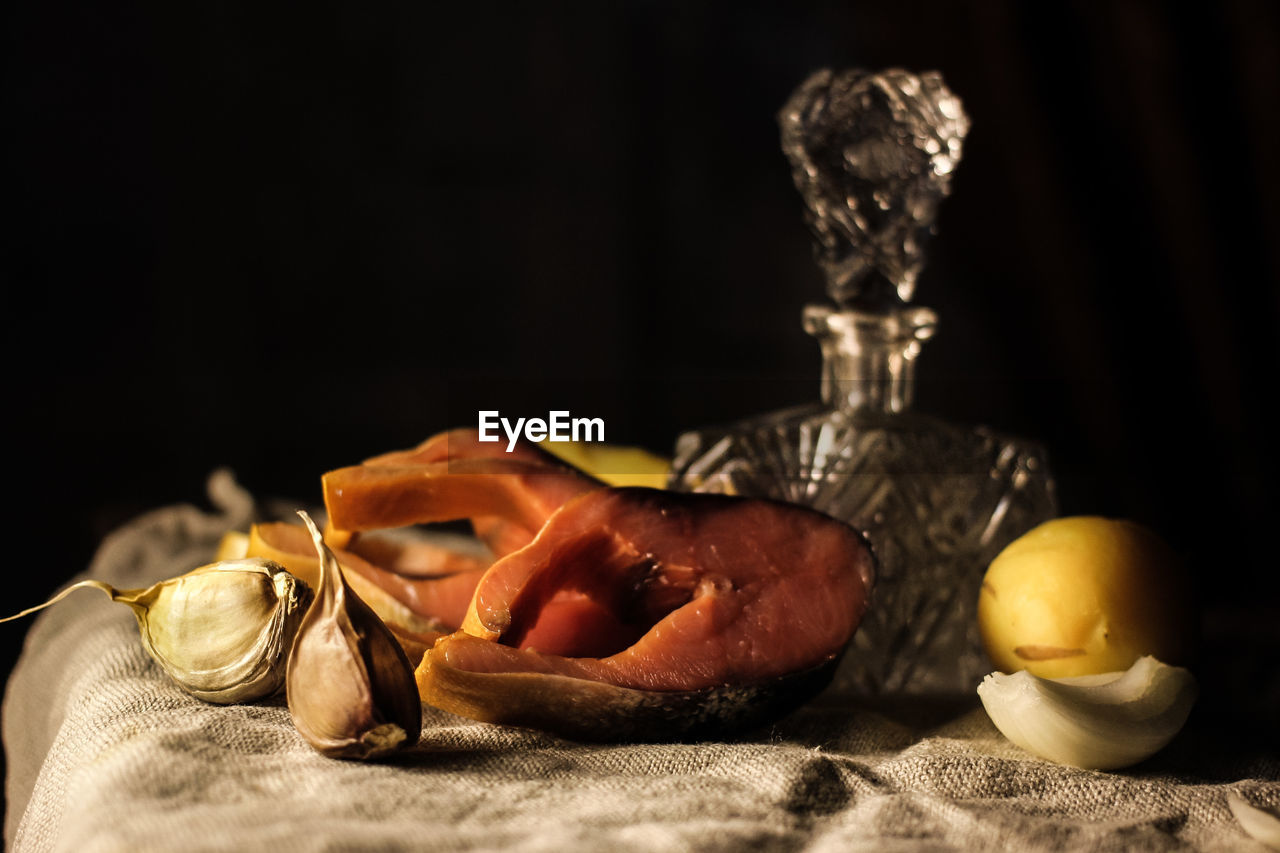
(868, 358)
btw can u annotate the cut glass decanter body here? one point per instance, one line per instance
(937, 501)
(872, 155)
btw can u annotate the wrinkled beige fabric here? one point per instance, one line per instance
(104, 754)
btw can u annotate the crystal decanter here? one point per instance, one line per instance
(872, 154)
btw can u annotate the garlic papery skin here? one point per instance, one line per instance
(351, 690)
(223, 631)
(1099, 722)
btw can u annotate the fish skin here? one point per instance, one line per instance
(598, 712)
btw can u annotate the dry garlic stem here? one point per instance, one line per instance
(351, 689)
(222, 631)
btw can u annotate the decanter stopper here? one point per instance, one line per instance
(872, 155)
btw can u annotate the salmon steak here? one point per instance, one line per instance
(619, 614)
(639, 615)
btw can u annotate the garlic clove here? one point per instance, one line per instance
(1263, 825)
(1101, 722)
(222, 632)
(350, 687)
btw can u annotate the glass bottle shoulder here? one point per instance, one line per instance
(815, 440)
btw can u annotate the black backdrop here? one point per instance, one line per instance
(283, 240)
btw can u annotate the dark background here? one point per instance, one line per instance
(281, 241)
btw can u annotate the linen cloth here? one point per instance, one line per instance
(106, 754)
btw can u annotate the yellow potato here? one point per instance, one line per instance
(1084, 595)
(617, 465)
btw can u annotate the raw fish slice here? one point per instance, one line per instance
(457, 444)
(508, 497)
(415, 559)
(425, 601)
(502, 535)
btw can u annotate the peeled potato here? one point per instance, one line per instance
(1085, 595)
